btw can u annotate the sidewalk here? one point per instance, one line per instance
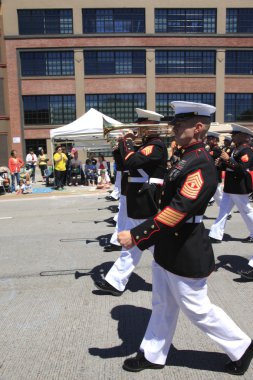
(41, 190)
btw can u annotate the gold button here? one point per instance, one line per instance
(137, 237)
(152, 226)
(162, 192)
(139, 191)
(145, 232)
(160, 202)
(176, 233)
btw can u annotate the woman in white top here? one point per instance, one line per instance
(31, 162)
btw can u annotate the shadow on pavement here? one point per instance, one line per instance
(102, 240)
(232, 263)
(203, 360)
(135, 283)
(132, 323)
(111, 208)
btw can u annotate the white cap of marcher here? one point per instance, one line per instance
(213, 134)
(229, 138)
(148, 115)
(188, 109)
(236, 128)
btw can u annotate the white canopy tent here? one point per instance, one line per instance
(87, 130)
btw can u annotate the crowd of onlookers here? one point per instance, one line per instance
(67, 170)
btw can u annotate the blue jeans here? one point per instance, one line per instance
(13, 176)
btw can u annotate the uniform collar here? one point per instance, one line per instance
(190, 148)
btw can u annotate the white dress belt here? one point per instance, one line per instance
(159, 181)
(195, 219)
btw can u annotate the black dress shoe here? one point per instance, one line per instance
(107, 288)
(229, 217)
(240, 366)
(249, 239)
(210, 203)
(246, 274)
(112, 247)
(139, 363)
(214, 241)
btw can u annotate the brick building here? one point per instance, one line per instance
(59, 59)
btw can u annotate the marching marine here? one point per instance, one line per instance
(183, 255)
(147, 167)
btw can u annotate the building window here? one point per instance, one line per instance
(185, 62)
(45, 21)
(118, 106)
(239, 62)
(163, 100)
(49, 109)
(115, 62)
(239, 107)
(122, 20)
(36, 145)
(239, 20)
(53, 63)
(185, 20)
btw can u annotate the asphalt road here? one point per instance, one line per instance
(54, 326)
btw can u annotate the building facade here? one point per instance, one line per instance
(66, 57)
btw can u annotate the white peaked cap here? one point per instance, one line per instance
(242, 129)
(213, 134)
(229, 138)
(191, 108)
(149, 115)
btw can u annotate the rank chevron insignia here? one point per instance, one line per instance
(148, 150)
(192, 185)
(170, 216)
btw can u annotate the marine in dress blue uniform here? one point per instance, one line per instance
(146, 166)
(183, 256)
(237, 184)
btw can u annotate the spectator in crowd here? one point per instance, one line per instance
(92, 159)
(25, 186)
(67, 173)
(103, 182)
(15, 163)
(102, 164)
(31, 162)
(75, 167)
(4, 178)
(60, 160)
(42, 162)
(90, 173)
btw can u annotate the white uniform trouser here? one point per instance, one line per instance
(227, 203)
(121, 220)
(172, 293)
(117, 186)
(122, 269)
(218, 195)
